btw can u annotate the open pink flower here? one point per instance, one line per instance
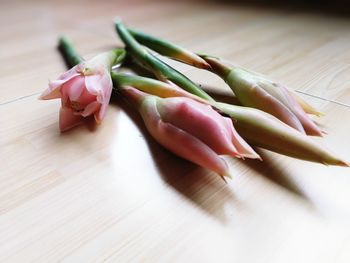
(84, 90)
(190, 129)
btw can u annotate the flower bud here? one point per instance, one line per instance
(191, 130)
(256, 91)
(84, 90)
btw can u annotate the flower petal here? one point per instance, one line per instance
(180, 142)
(304, 105)
(91, 109)
(68, 119)
(199, 120)
(251, 91)
(100, 115)
(53, 91)
(243, 148)
(74, 71)
(189, 147)
(101, 86)
(74, 88)
(93, 84)
(309, 126)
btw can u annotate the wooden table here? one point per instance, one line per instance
(113, 194)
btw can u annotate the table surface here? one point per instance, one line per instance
(113, 194)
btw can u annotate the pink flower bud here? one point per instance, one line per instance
(190, 129)
(84, 90)
(264, 130)
(256, 91)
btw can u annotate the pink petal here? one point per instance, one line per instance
(72, 88)
(101, 113)
(93, 84)
(309, 126)
(53, 91)
(243, 148)
(182, 143)
(101, 86)
(265, 101)
(107, 89)
(91, 109)
(68, 119)
(190, 148)
(75, 87)
(74, 71)
(86, 98)
(307, 108)
(202, 122)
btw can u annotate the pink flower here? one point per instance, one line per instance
(84, 90)
(190, 129)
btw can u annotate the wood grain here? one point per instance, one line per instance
(112, 194)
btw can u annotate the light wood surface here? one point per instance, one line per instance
(113, 194)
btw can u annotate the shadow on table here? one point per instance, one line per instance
(173, 172)
(270, 170)
(198, 185)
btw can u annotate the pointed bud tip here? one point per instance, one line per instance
(252, 156)
(223, 178)
(315, 131)
(97, 119)
(337, 162)
(202, 65)
(44, 96)
(343, 163)
(225, 175)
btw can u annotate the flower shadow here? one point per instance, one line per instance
(270, 169)
(204, 189)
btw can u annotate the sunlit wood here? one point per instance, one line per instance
(110, 193)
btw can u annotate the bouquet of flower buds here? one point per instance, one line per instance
(179, 114)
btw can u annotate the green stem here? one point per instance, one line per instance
(72, 57)
(159, 45)
(169, 49)
(151, 86)
(179, 53)
(122, 79)
(68, 52)
(162, 70)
